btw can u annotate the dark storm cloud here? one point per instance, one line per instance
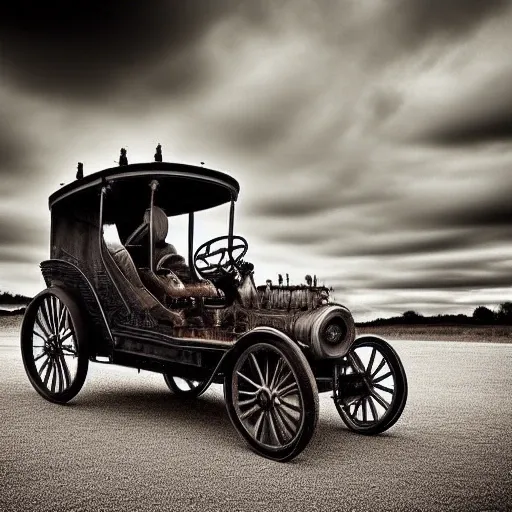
(12, 149)
(491, 212)
(20, 230)
(423, 19)
(404, 245)
(361, 156)
(327, 193)
(83, 49)
(490, 127)
(22, 239)
(16, 157)
(446, 281)
(481, 116)
(19, 254)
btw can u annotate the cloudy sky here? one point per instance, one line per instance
(372, 139)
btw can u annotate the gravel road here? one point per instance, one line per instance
(126, 443)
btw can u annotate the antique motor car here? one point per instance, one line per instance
(130, 299)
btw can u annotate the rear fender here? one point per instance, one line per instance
(66, 275)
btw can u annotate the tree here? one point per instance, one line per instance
(309, 280)
(484, 315)
(505, 313)
(411, 314)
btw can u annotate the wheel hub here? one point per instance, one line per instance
(352, 387)
(264, 398)
(52, 347)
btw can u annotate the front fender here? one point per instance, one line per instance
(248, 338)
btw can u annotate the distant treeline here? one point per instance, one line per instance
(481, 316)
(8, 298)
(14, 312)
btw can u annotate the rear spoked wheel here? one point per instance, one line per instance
(54, 346)
(272, 399)
(185, 388)
(370, 389)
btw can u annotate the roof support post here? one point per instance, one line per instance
(191, 266)
(231, 224)
(101, 243)
(154, 186)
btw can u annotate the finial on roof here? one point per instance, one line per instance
(80, 171)
(158, 154)
(123, 159)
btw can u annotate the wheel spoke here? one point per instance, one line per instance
(61, 376)
(293, 407)
(243, 392)
(55, 306)
(383, 388)
(272, 429)
(290, 420)
(285, 426)
(258, 430)
(44, 365)
(65, 336)
(266, 372)
(65, 369)
(379, 368)
(287, 390)
(356, 363)
(372, 359)
(365, 413)
(249, 401)
(39, 335)
(67, 348)
(282, 380)
(54, 377)
(382, 377)
(356, 409)
(48, 372)
(257, 367)
(44, 329)
(190, 383)
(39, 356)
(253, 410)
(47, 315)
(277, 373)
(240, 374)
(62, 317)
(373, 409)
(380, 400)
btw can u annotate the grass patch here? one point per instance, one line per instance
(479, 333)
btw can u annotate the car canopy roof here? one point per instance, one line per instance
(182, 188)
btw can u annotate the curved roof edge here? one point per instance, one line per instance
(146, 169)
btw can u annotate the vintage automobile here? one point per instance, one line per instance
(131, 300)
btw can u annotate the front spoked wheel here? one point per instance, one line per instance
(272, 398)
(185, 388)
(54, 346)
(370, 389)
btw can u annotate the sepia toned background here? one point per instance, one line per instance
(372, 140)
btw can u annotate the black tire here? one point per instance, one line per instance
(277, 421)
(54, 345)
(385, 382)
(185, 388)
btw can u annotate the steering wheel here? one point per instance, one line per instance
(213, 257)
